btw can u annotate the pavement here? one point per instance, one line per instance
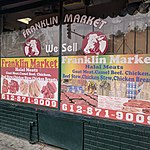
(8, 142)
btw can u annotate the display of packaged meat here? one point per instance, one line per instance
(24, 87)
(73, 95)
(13, 86)
(138, 106)
(34, 89)
(80, 102)
(146, 111)
(5, 86)
(52, 87)
(49, 90)
(64, 98)
(92, 102)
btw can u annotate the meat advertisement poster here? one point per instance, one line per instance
(30, 80)
(107, 86)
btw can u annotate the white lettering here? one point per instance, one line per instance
(43, 23)
(83, 19)
(55, 20)
(114, 59)
(68, 18)
(90, 20)
(76, 18)
(102, 24)
(138, 60)
(147, 60)
(64, 47)
(96, 22)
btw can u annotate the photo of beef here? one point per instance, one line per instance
(64, 98)
(24, 87)
(52, 87)
(80, 102)
(137, 103)
(93, 96)
(79, 99)
(46, 92)
(49, 90)
(13, 86)
(137, 106)
(92, 102)
(5, 82)
(63, 88)
(85, 97)
(5, 86)
(72, 95)
(4, 89)
(34, 89)
(146, 111)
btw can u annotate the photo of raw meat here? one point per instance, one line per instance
(34, 89)
(79, 99)
(5, 86)
(137, 106)
(49, 90)
(24, 87)
(13, 86)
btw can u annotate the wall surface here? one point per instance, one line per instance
(72, 132)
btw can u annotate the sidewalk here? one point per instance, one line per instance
(8, 142)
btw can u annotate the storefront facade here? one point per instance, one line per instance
(76, 75)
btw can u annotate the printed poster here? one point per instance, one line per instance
(107, 86)
(30, 80)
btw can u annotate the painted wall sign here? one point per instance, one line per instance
(108, 86)
(30, 80)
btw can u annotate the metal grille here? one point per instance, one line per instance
(106, 135)
(19, 121)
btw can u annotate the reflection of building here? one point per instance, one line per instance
(127, 31)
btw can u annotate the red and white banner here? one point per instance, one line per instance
(30, 80)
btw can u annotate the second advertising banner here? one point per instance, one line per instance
(110, 86)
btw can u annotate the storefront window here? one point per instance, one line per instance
(104, 63)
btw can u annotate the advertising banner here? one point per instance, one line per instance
(107, 86)
(30, 80)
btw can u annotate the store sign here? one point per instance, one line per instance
(68, 18)
(107, 86)
(93, 43)
(30, 80)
